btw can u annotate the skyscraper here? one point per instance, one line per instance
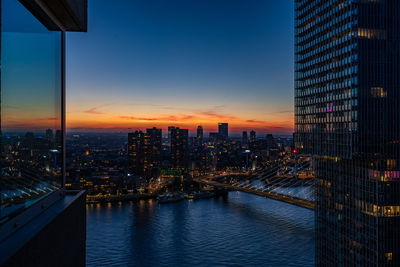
(144, 152)
(223, 131)
(179, 147)
(154, 150)
(244, 138)
(136, 153)
(200, 135)
(253, 137)
(347, 115)
(170, 129)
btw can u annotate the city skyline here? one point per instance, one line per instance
(158, 66)
(193, 132)
(199, 133)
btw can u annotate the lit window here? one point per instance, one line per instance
(389, 256)
(378, 92)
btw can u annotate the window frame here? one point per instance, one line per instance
(11, 225)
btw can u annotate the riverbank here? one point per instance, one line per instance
(94, 199)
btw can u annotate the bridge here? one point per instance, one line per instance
(280, 197)
(279, 180)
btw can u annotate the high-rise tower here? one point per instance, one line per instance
(136, 152)
(347, 115)
(144, 152)
(223, 131)
(200, 135)
(154, 150)
(179, 147)
(244, 138)
(170, 129)
(253, 137)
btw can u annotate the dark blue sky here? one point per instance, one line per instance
(183, 62)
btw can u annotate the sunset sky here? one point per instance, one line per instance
(183, 63)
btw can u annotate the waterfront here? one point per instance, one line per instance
(242, 230)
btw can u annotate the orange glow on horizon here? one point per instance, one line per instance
(96, 120)
(92, 119)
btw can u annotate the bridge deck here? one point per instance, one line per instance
(288, 199)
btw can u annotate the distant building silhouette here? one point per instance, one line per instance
(244, 138)
(144, 152)
(200, 135)
(136, 153)
(155, 145)
(213, 137)
(49, 134)
(223, 131)
(270, 141)
(253, 137)
(170, 129)
(179, 147)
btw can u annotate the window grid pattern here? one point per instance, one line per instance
(347, 115)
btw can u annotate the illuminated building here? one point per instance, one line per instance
(154, 150)
(347, 114)
(136, 153)
(179, 147)
(144, 152)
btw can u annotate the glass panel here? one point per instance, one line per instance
(30, 163)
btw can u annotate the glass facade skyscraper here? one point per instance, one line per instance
(347, 115)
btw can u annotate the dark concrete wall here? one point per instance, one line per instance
(61, 243)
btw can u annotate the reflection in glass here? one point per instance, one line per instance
(31, 57)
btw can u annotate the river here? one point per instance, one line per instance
(240, 230)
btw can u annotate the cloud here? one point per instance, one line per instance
(200, 116)
(204, 115)
(93, 111)
(254, 121)
(212, 114)
(188, 117)
(161, 118)
(208, 118)
(137, 118)
(48, 119)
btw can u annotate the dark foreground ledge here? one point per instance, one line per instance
(56, 237)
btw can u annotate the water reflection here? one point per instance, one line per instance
(238, 231)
